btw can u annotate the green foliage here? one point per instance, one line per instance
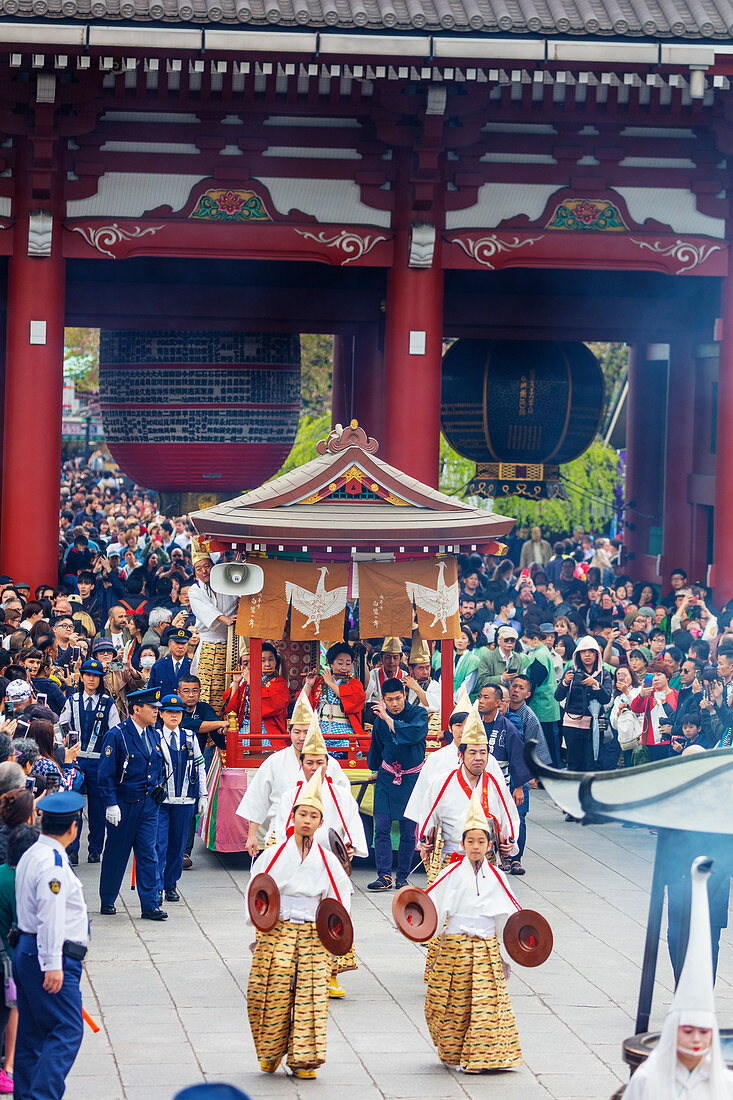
(310, 430)
(81, 358)
(590, 481)
(614, 360)
(316, 358)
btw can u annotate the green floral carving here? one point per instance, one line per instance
(597, 215)
(230, 206)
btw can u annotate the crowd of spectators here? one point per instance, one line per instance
(637, 673)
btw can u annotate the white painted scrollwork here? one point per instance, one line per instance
(353, 245)
(688, 255)
(484, 249)
(109, 235)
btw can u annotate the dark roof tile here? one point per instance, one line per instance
(692, 19)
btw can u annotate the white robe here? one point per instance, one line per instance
(690, 1086)
(275, 775)
(207, 605)
(439, 763)
(471, 901)
(663, 1077)
(374, 683)
(432, 691)
(452, 807)
(303, 878)
(331, 819)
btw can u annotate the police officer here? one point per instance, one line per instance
(167, 671)
(130, 778)
(52, 941)
(185, 785)
(91, 713)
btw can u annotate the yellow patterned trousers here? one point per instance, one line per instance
(342, 963)
(287, 995)
(467, 1007)
(211, 672)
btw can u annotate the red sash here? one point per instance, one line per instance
(485, 798)
(328, 872)
(329, 784)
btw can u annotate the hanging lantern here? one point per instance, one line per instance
(520, 408)
(209, 413)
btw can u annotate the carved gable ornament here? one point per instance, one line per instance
(220, 204)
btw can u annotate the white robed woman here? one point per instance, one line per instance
(687, 1062)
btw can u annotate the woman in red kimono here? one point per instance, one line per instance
(275, 700)
(338, 699)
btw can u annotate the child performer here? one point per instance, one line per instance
(287, 994)
(186, 793)
(340, 812)
(467, 1007)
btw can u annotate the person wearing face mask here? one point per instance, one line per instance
(506, 611)
(148, 657)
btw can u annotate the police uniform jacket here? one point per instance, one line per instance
(50, 901)
(131, 763)
(163, 674)
(185, 776)
(90, 716)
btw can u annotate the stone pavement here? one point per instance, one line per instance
(170, 997)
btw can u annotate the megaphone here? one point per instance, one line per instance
(233, 578)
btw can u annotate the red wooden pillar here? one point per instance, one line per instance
(721, 574)
(645, 432)
(369, 381)
(446, 682)
(32, 413)
(678, 511)
(412, 354)
(340, 380)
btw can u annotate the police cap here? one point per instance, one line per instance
(179, 635)
(92, 668)
(144, 697)
(63, 804)
(171, 702)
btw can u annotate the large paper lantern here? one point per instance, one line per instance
(520, 408)
(209, 412)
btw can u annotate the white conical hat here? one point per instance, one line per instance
(302, 711)
(474, 731)
(692, 1006)
(694, 994)
(314, 745)
(475, 818)
(463, 705)
(310, 794)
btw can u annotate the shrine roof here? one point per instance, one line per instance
(347, 497)
(685, 19)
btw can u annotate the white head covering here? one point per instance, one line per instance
(692, 1005)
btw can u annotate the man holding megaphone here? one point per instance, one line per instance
(215, 612)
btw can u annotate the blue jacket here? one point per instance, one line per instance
(163, 676)
(144, 769)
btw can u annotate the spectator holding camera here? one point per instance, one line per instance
(586, 686)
